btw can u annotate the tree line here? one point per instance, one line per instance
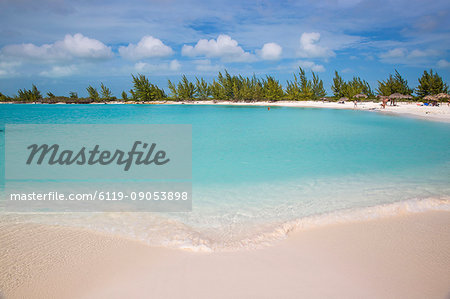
(227, 87)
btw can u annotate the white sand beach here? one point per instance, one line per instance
(404, 256)
(411, 109)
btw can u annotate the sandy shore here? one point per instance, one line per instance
(405, 256)
(410, 109)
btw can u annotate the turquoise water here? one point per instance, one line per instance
(256, 171)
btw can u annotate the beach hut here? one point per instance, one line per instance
(361, 96)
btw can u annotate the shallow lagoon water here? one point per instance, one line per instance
(258, 174)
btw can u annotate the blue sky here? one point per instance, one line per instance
(64, 46)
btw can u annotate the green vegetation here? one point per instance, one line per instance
(350, 88)
(185, 90)
(106, 93)
(273, 91)
(93, 93)
(394, 84)
(227, 87)
(431, 84)
(145, 91)
(202, 88)
(302, 89)
(29, 95)
(124, 96)
(3, 98)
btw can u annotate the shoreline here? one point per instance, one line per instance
(405, 109)
(402, 255)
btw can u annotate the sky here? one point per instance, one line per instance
(64, 46)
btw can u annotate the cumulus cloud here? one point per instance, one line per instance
(72, 46)
(224, 47)
(270, 51)
(147, 47)
(310, 65)
(59, 71)
(443, 63)
(173, 65)
(310, 48)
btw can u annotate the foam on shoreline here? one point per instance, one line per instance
(311, 222)
(181, 236)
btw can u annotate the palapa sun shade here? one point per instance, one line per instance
(360, 95)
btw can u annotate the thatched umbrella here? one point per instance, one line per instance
(343, 99)
(443, 96)
(360, 95)
(430, 98)
(396, 96)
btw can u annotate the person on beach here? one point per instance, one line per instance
(355, 104)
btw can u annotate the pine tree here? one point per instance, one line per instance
(317, 87)
(293, 89)
(273, 91)
(306, 90)
(144, 90)
(93, 93)
(31, 95)
(431, 84)
(106, 92)
(202, 88)
(394, 84)
(338, 86)
(185, 89)
(173, 90)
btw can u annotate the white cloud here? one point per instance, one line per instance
(270, 51)
(443, 63)
(147, 47)
(394, 53)
(224, 47)
(59, 71)
(205, 65)
(72, 46)
(310, 65)
(347, 70)
(7, 68)
(173, 65)
(309, 47)
(403, 55)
